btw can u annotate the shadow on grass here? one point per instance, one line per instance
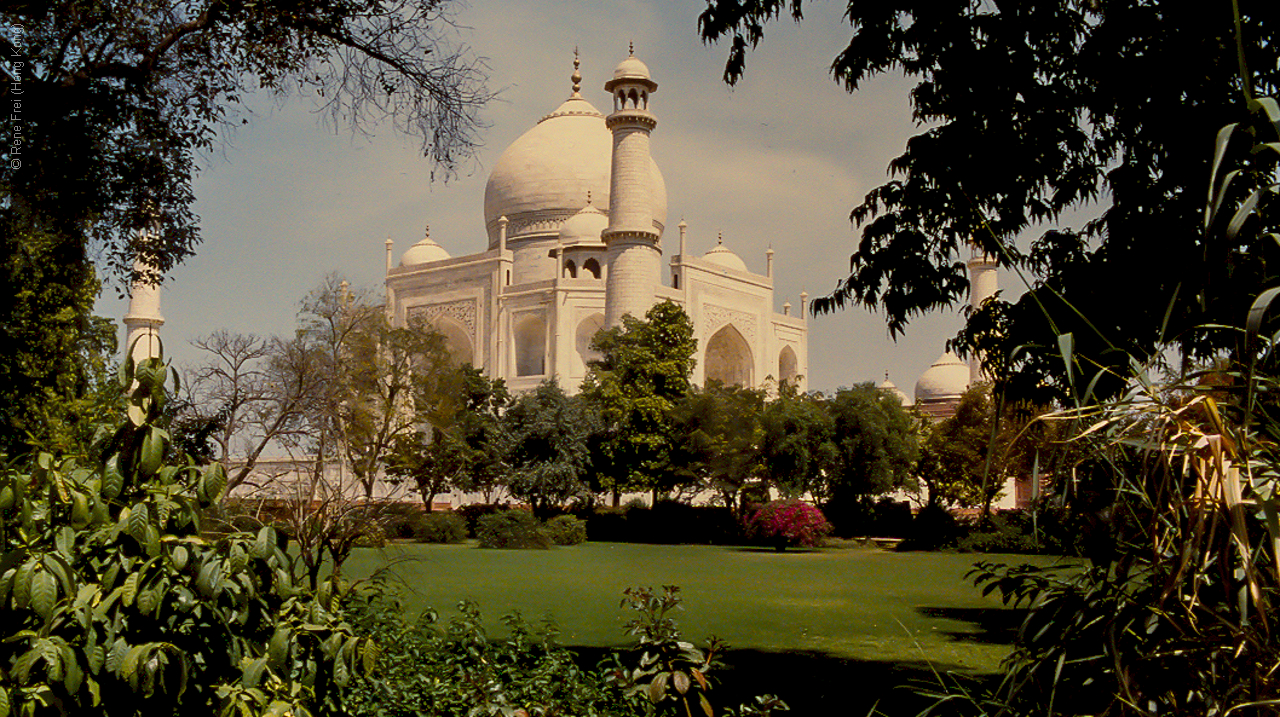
(996, 626)
(816, 684)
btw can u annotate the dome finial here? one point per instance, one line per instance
(576, 76)
(720, 238)
(426, 233)
(631, 49)
(588, 197)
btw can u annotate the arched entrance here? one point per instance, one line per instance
(728, 358)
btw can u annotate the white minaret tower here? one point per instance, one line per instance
(982, 286)
(142, 323)
(634, 253)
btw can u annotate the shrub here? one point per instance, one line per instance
(511, 529)
(786, 523)
(374, 537)
(444, 527)
(934, 528)
(474, 512)
(400, 520)
(565, 530)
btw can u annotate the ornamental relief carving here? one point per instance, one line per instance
(462, 311)
(715, 317)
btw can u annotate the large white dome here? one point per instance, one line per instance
(947, 378)
(544, 177)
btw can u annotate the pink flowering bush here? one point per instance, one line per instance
(784, 523)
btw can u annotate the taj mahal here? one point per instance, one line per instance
(575, 213)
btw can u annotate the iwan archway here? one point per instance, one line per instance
(728, 358)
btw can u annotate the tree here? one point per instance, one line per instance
(55, 366)
(379, 382)
(716, 437)
(548, 454)
(959, 463)
(254, 392)
(644, 370)
(114, 102)
(479, 426)
(108, 106)
(875, 445)
(1030, 111)
(797, 445)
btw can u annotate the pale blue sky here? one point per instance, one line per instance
(779, 160)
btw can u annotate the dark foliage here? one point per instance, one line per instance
(1031, 110)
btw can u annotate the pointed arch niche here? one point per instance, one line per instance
(582, 342)
(457, 341)
(788, 366)
(728, 358)
(531, 345)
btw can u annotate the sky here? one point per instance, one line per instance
(779, 160)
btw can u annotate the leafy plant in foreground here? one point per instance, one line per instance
(112, 602)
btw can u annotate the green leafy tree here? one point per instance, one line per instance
(379, 382)
(644, 370)
(797, 445)
(549, 446)
(959, 463)
(109, 105)
(1029, 113)
(478, 426)
(54, 370)
(114, 103)
(113, 603)
(716, 440)
(876, 446)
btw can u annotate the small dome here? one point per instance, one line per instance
(892, 389)
(584, 227)
(947, 378)
(424, 252)
(720, 256)
(631, 69)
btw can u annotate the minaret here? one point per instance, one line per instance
(633, 251)
(142, 323)
(982, 286)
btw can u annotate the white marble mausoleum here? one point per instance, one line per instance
(575, 221)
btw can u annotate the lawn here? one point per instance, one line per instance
(818, 618)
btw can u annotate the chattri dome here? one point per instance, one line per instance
(631, 69)
(720, 256)
(425, 251)
(892, 389)
(947, 378)
(539, 181)
(584, 227)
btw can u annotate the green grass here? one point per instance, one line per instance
(851, 605)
